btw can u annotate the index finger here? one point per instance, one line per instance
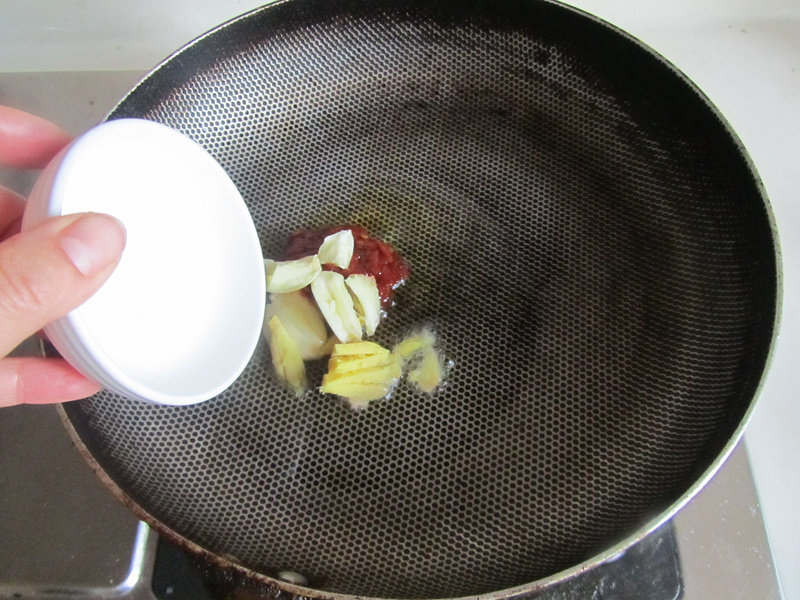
(28, 141)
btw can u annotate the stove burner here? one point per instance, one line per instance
(649, 569)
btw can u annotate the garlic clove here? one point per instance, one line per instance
(367, 300)
(286, 358)
(291, 275)
(336, 305)
(337, 249)
(303, 322)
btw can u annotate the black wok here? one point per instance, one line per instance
(587, 237)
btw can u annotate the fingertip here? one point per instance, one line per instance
(28, 141)
(93, 242)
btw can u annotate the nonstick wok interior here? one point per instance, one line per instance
(586, 237)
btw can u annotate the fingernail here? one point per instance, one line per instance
(93, 242)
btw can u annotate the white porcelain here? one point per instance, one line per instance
(179, 318)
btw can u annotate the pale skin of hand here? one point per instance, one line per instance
(46, 271)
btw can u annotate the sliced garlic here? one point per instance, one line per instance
(336, 305)
(367, 300)
(291, 275)
(337, 249)
(303, 323)
(286, 358)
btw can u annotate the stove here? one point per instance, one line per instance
(63, 535)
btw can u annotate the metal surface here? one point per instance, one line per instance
(586, 237)
(61, 533)
(723, 547)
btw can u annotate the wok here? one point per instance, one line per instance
(587, 237)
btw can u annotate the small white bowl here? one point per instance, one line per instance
(180, 316)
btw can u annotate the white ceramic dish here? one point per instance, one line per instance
(179, 318)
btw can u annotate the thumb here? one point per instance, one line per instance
(49, 270)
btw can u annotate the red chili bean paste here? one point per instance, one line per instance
(371, 256)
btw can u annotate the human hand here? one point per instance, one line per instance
(46, 271)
